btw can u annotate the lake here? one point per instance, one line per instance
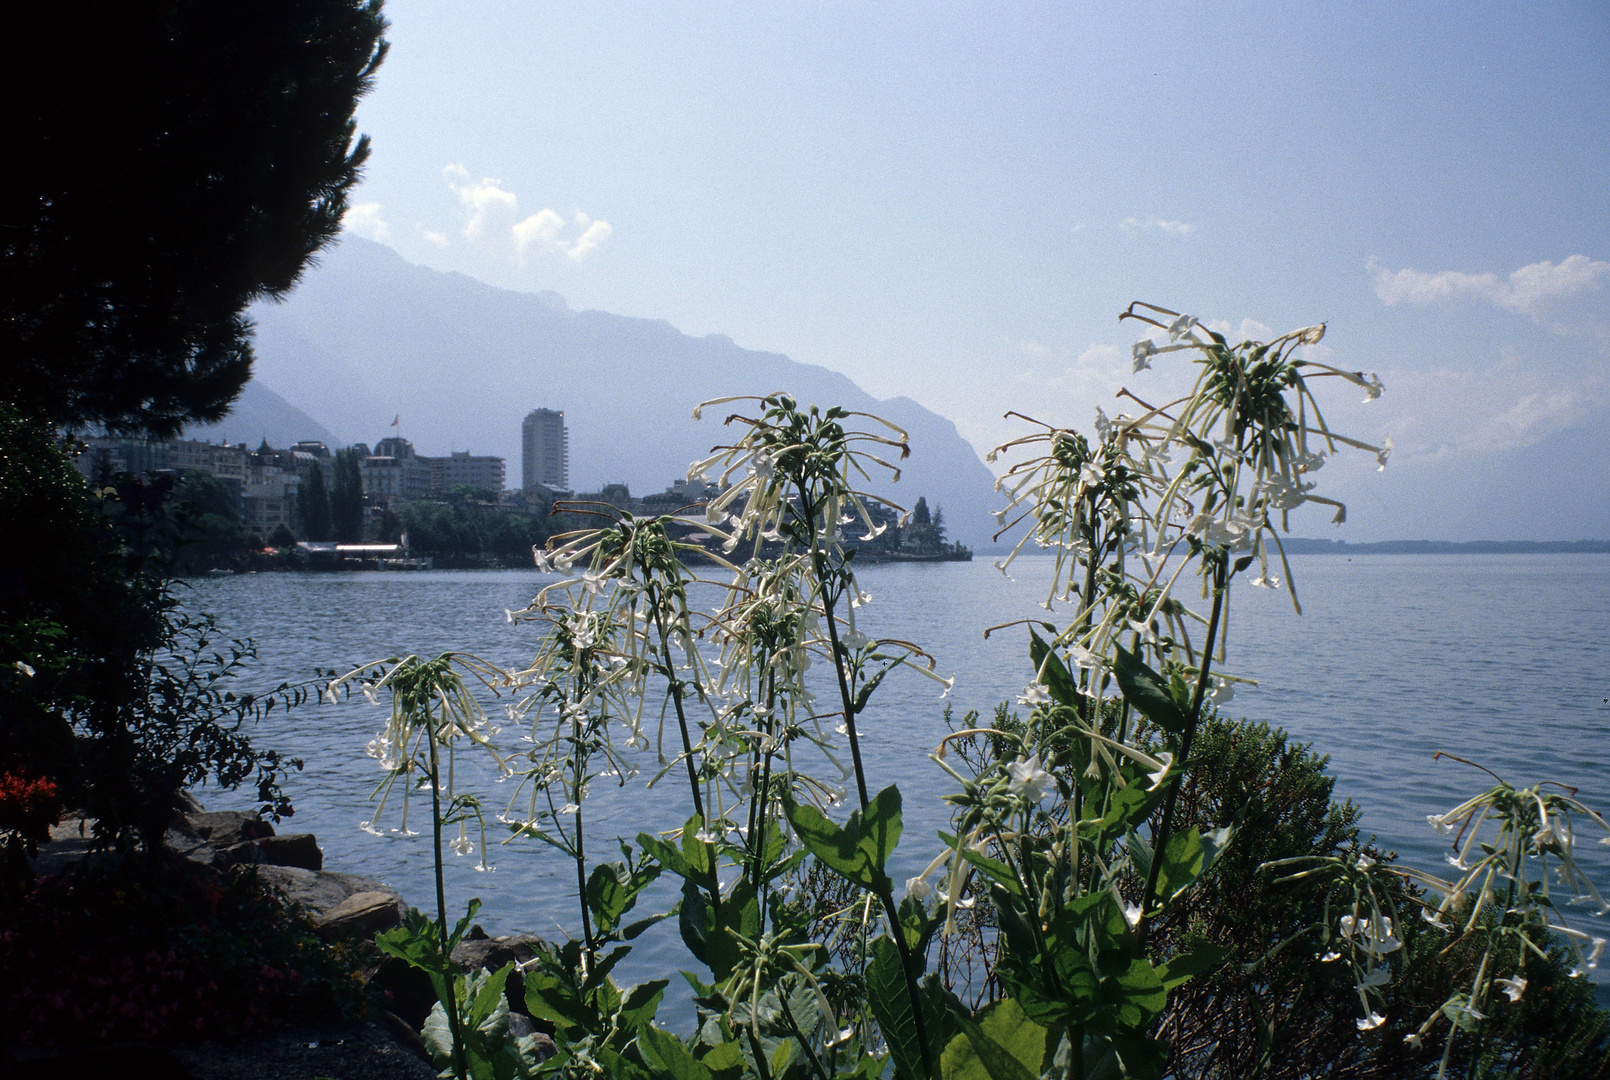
(1502, 659)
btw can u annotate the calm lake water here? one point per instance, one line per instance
(1502, 659)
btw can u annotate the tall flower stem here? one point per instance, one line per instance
(678, 689)
(1221, 582)
(450, 1004)
(581, 858)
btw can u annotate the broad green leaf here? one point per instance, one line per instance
(724, 1060)
(1140, 854)
(915, 926)
(740, 913)
(890, 1000)
(1204, 957)
(1002, 1042)
(1136, 995)
(1054, 674)
(693, 920)
(859, 850)
(667, 856)
(667, 1056)
(639, 1003)
(1182, 863)
(1147, 692)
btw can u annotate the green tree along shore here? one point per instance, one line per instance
(181, 160)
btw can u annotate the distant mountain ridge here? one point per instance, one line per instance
(258, 414)
(368, 338)
(1303, 546)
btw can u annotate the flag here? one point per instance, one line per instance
(397, 421)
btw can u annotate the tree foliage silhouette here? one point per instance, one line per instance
(171, 163)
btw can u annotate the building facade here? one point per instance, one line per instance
(545, 450)
(463, 469)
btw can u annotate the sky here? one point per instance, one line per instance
(953, 202)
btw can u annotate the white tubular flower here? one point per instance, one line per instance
(1371, 1022)
(540, 557)
(917, 888)
(1034, 694)
(1310, 335)
(1413, 1040)
(1372, 387)
(26, 669)
(1375, 934)
(1091, 474)
(1514, 987)
(1084, 659)
(1223, 692)
(1180, 327)
(1440, 823)
(1132, 915)
(462, 846)
(1029, 780)
(1166, 760)
(1383, 453)
(1143, 353)
(1104, 425)
(1376, 977)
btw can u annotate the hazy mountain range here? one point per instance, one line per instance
(368, 337)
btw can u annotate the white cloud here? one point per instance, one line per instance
(1534, 417)
(539, 230)
(1250, 330)
(595, 233)
(1568, 297)
(1033, 348)
(493, 222)
(434, 238)
(1171, 228)
(364, 220)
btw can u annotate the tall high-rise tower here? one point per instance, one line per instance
(545, 442)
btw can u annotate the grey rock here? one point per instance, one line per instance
(189, 847)
(361, 915)
(493, 953)
(292, 849)
(320, 891)
(223, 828)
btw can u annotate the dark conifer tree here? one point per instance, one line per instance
(170, 163)
(346, 498)
(313, 505)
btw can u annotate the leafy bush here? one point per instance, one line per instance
(142, 950)
(107, 688)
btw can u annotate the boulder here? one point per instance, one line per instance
(479, 951)
(320, 892)
(493, 952)
(292, 849)
(225, 828)
(361, 915)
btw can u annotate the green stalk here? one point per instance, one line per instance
(1220, 585)
(676, 687)
(819, 564)
(581, 858)
(460, 1069)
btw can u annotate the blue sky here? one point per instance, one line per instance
(953, 202)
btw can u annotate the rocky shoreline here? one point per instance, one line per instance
(339, 906)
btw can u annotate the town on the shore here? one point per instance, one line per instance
(307, 506)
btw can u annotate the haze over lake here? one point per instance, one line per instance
(1501, 659)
